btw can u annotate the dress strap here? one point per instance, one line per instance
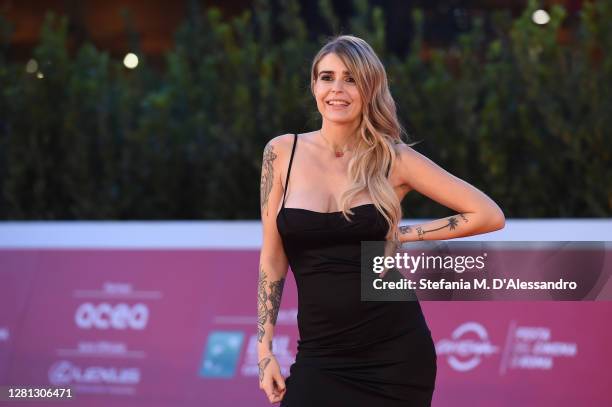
(289, 170)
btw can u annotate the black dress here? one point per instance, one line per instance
(351, 353)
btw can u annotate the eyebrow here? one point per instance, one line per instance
(345, 72)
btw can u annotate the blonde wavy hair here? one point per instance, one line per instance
(379, 130)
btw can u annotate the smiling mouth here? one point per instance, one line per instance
(339, 103)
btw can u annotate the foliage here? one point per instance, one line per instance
(520, 112)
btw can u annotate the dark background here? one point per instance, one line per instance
(517, 109)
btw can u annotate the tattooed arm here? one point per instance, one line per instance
(477, 213)
(440, 229)
(273, 264)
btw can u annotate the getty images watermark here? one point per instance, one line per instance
(486, 271)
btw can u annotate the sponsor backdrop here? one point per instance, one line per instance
(133, 327)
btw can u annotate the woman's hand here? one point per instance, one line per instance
(270, 379)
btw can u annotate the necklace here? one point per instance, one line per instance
(338, 153)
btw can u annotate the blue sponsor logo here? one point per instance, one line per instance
(221, 354)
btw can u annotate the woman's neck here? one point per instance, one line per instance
(340, 135)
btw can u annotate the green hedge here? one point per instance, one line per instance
(522, 113)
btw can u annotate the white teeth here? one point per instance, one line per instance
(337, 102)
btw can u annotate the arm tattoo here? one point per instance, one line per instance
(262, 366)
(267, 176)
(276, 293)
(463, 217)
(262, 305)
(452, 224)
(405, 229)
(263, 310)
(420, 232)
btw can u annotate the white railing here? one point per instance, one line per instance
(246, 234)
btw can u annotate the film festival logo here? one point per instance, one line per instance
(221, 354)
(223, 350)
(527, 348)
(463, 353)
(532, 347)
(221, 357)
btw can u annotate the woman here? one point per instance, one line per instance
(324, 192)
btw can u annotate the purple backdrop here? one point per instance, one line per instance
(177, 327)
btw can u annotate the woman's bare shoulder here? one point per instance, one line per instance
(399, 148)
(284, 142)
(279, 144)
(406, 159)
(404, 151)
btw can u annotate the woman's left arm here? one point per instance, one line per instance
(476, 212)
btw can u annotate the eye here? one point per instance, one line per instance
(325, 77)
(350, 79)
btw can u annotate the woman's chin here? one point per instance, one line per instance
(339, 118)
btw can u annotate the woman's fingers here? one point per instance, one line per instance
(275, 397)
(271, 381)
(273, 393)
(279, 383)
(276, 389)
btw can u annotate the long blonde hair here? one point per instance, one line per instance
(379, 130)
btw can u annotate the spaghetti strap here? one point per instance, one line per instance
(289, 170)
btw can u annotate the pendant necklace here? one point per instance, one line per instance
(338, 153)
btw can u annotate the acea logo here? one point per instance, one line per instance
(107, 316)
(221, 354)
(469, 343)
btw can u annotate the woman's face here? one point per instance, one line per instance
(335, 90)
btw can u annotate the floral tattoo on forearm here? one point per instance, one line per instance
(265, 311)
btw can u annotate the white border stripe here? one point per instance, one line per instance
(245, 234)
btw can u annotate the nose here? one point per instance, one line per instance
(337, 85)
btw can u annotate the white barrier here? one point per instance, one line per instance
(246, 234)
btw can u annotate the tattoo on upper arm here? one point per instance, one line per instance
(267, 176)
(463, 217)
(263, 310)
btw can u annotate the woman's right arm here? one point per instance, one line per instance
(273, 266)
